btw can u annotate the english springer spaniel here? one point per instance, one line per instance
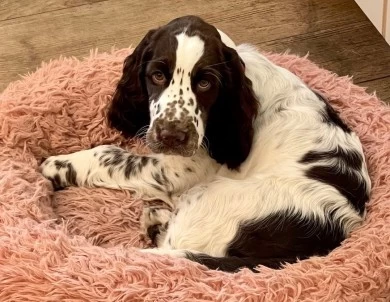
(255, 168)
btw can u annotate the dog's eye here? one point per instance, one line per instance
(158, 78)
(204, 85)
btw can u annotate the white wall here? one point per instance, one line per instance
(378, 11)
(387, 22)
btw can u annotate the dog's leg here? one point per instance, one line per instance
(154, 223)
(155, 176)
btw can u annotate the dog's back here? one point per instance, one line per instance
(302, 189)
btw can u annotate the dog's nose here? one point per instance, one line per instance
(173, 137)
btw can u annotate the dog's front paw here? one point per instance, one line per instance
(154, 222)
(60, 171)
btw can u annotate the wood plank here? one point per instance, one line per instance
(73, 32)
(357, 49)
(380, 86)
(11, 9)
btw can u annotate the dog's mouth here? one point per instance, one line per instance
(170, 139)
(156, 147)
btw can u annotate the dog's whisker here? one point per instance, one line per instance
(150, 61)
(141, 133)
(205, 143)
(216, 64)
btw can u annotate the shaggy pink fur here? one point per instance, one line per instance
(78, 244)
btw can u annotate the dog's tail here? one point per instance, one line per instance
(234, 263)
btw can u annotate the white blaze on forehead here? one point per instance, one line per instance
(179, 94)
(189, 50)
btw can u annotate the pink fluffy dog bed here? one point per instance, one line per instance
(79, 244)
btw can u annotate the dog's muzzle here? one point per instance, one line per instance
(173, 137)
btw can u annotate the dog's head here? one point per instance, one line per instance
(183, 83)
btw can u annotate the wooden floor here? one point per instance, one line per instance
(336, 33)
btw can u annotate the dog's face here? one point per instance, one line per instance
(183, 78)
(187, 81)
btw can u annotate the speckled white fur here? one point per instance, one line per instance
(189, 50)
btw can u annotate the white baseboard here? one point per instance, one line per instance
(378, 11)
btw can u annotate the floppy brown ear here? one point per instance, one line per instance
(230, 123)
(129, 108)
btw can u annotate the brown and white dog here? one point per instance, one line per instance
(258, 169)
